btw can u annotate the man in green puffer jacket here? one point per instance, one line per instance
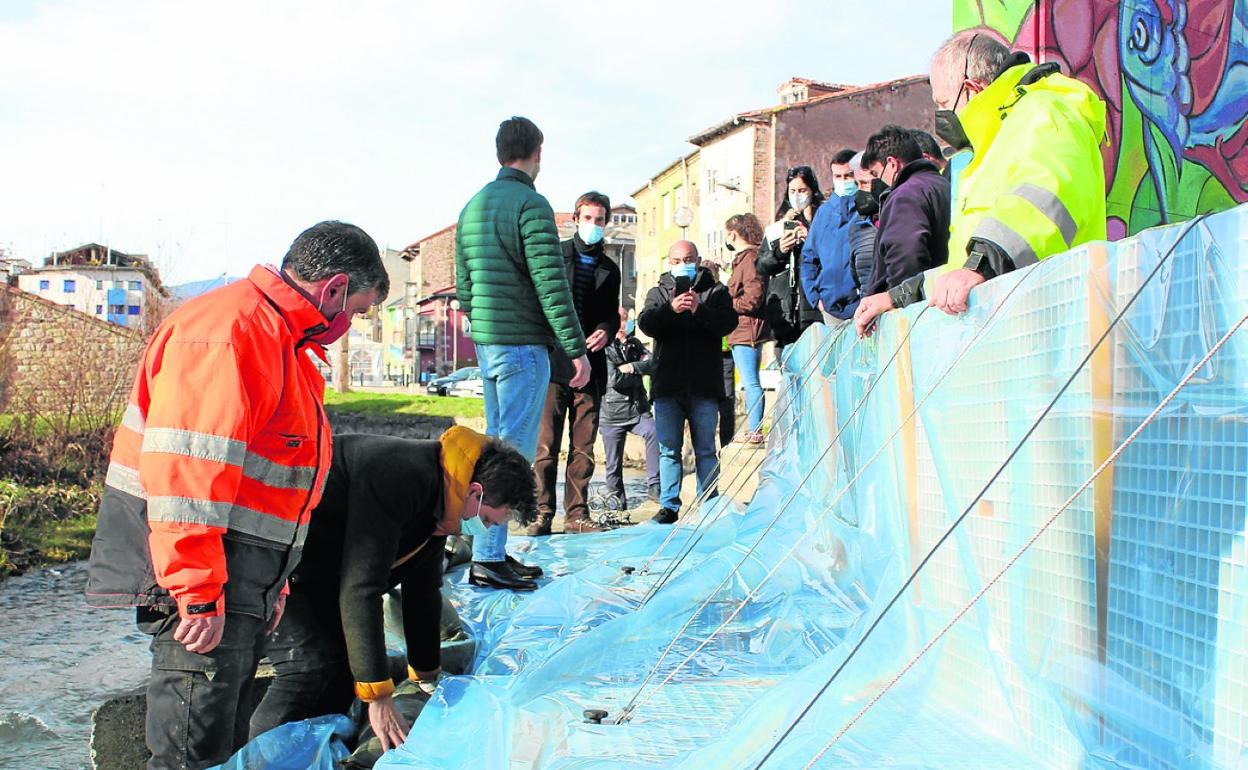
(511, 280)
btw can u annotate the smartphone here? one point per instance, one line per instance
(790, 224)
(683, 285)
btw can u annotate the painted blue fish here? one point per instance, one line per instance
(1156, 39)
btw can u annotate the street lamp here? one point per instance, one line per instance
(683, 217)
(455, 334)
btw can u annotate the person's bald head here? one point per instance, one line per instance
(683, 253)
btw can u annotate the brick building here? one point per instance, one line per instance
(741, 162)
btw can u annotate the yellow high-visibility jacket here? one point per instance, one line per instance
(1036, 186)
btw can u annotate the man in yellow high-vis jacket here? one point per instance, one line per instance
(1036, 184)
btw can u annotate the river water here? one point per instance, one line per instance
(59, 660)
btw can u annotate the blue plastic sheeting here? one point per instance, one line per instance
(1119, 639)
(314, 744)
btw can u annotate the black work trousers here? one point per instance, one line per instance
(197, 704)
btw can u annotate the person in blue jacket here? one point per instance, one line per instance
(837, 234)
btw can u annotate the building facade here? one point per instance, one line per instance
(105, 284)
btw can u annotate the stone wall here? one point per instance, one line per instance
(57, 362)
(437, 256)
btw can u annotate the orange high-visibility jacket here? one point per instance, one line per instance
(220, 458)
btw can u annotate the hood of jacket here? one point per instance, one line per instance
(983, 115)
(460, 449)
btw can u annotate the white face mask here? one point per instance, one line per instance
(590, 233)
(799, 201)
(474, 527)
(845, 187)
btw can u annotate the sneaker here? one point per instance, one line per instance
(665, 516)
(581, 526)
(756, 438)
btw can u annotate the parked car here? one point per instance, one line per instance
(473, 387)
(442, 385)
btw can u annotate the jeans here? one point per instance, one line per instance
(670, 414)
(580, 410)
(197, 704)
(748, 359)
(613, 437)
(515, 378)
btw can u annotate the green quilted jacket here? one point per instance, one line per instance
(509, 270)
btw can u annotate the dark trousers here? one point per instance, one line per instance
(728, 403)
(309, 657)
(197, 705)
(613, 437)
(309, 647)
(580, 410)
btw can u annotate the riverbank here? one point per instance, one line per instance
(51, 481)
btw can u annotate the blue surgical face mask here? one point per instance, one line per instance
(685, 271)
(629, 327)
(590, 233)
(474, 527)
(844, 187)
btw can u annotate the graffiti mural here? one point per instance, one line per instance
(1174, 75)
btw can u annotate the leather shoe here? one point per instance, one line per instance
(498, 574)
(665, 516)
(530, 571)
(540, 526)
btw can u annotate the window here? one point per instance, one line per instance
(132, 310)
(136, 286)
(99, 284)
(70, 286)
(99, 309)
(116, 309)
(45, 285)
(119, 284)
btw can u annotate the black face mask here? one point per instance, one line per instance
(730, 247)
(949, 129)
(878, 188)
(948, 125)
(866, 204)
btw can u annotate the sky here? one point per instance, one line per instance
(208, 135)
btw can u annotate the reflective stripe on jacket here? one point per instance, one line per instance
(1036, 185)
(220, 457)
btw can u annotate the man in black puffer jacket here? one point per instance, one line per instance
(687, 314)
(626, 409)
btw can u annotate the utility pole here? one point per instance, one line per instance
(342, 359)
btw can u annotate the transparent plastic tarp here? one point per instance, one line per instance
(313, 744)
(1118, 639)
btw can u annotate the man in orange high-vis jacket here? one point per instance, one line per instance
(219, 460)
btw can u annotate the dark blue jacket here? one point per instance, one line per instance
(914, 227)
(828, 261)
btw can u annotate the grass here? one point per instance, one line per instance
(414, 405)
(45, 524)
